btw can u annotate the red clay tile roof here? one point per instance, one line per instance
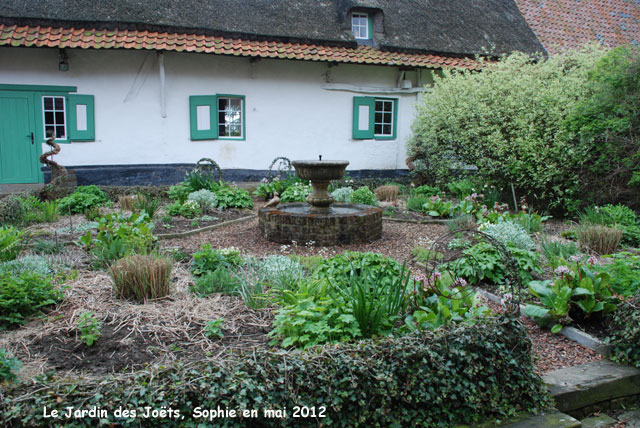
(566, 24)
(86, 38)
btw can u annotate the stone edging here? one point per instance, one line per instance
(431, 221)
(204, 229)
(570, 333)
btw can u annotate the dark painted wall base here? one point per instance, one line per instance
(166, 174)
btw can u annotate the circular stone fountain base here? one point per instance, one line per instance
(342, 224)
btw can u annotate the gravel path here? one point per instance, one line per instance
(551, 351)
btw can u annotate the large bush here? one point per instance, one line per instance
(452, 376)
(508, 121)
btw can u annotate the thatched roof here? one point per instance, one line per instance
(462, 27)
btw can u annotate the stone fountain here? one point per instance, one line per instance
(320, 220)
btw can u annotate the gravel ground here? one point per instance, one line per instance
(551, 351)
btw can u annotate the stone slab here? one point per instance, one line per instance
(600, 421)
(584, 385)
(631, 419)
(552, 419)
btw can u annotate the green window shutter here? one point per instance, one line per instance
(203, 112)
(363, 114)
(80, 110)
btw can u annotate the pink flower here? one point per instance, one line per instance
(460, 282)
(561, 270)
(575, 258)
(592, 260)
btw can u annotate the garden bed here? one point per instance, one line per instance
(181, 224)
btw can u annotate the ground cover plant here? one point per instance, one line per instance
(25, 294)
(82, 199)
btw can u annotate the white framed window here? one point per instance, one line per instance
(230, 120)
(360, 25)
(383, 118)
(54, 118)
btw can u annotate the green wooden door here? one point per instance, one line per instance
(18, 151)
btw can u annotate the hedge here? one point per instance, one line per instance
(454, 375)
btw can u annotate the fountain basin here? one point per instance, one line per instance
(340, 224)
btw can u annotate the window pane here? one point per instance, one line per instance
(222, 103)
(386, 129)
(59, 103)
(59, 118)
(235, 131)
(59, 131)
(48, 103)
(377, 129)
(387, 117)
(387, 106)
(47, 130)
(48, 117)
(378, 117)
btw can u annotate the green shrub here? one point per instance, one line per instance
(11, 243)
(438, 207)
(296, 193)
(187, 209)
(23, 295)
(9, 366)
(531, 222)
(624, 332)
(343, 266)
(11, 209)
(342, 194)
(487, 120)
(416, 203)
(89, 327)
(510, 233)
(233, 197)
(557, 252)
(179, 193)
(35, 211)
(364, 196)
(141, 277)
(147, 205)
(461, 375)
(83, 198)
(624, 272)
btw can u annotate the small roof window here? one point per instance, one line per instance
(361, 25)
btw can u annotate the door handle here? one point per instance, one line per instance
(32, 138)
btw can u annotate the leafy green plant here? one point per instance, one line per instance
(83, 198)
(374, 303)
(11, 210)
(119, 235)
(556, 252)
(252, 288)
(233, 197)
(23, 295)
(624, 272)
(580, 287)
(29, 263)
(179, 193)
(416, 203)
(616, 216)
(280, 272)
(341, 267)
(148, 205)
(426, 191)
(461, 222)
(220, 280)
(213, 328)
(510, 233)
(437, 207)
(187, 209)
(531, 222)
(36, 211)
(312, 321)
(46, 246)
(298, 192)
(9, 366)
(208, 259)
(460, 189)
(89, 327)
(424, 255)
(443, 300)
(365, 196)
(11, 243)
(342, 194)
(141, 277)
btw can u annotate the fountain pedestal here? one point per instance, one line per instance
(320, 221)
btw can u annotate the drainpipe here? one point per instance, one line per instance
(163, 102)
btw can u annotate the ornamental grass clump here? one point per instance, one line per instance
(140, 277)
(598, 238)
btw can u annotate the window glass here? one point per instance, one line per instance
(54, 117)
(383, 121)
(230, 117)
(360, 25)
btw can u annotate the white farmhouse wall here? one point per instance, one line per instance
(287, 111)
